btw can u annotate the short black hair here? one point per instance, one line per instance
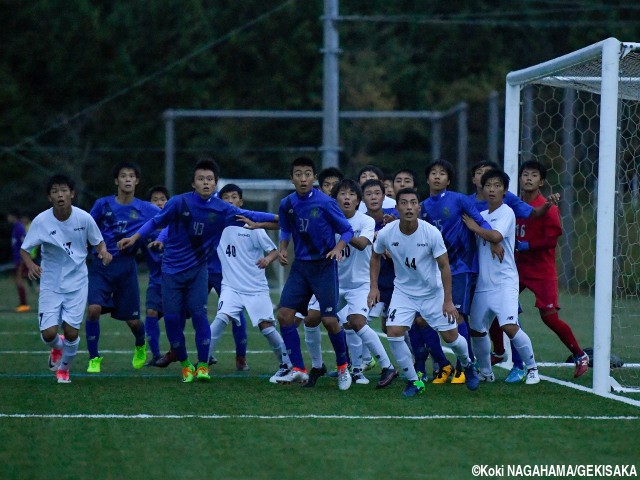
(60, 179)
(371, 182)
(158, 189)
(441, 162)
(207, 163)
(329, 172)
(409, 171)
(371, 168)
(495, 173)
(347, 184)
(228, 188)
(407, 191)
(534, 165)
(303, 162)
(126, 164)
(484, 163)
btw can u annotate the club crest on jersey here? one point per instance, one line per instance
(446, 212)
(212, 217)
(133, 214)
(315, 213)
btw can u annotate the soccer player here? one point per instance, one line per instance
(371, 172)
(18, 233)
(536, 240)
(353, 280)
(244, 283)
(422, 286)
(63, 233)
(196, 221)
(521, 209)
(404, 178)
(311, 219)
(115, 288)
(497, 288)
(388, 188)
(444, 209)
(157, 195)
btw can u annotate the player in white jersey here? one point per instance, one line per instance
(62, 232)
(497, 291)
(422, 286)
(244, 283)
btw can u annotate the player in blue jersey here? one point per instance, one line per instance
(18, 232)
(311, 219)
(196, 221)
(114, 288)
(521, 209)
(444, 209)
(158, 195)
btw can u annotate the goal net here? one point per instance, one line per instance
(579, 115)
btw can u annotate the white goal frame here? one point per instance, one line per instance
(610, 51)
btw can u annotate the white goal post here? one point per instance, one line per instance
(595, 115)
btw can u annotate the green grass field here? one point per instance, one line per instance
(126, 423)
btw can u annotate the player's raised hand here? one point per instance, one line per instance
(553, 199)
(248, 223)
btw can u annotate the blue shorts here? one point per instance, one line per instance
(154, 297)
(463, 285)
(215, 282)
(187, 289)
(308, 278)
(115, 287)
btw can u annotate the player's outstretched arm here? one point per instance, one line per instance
(33, 269)
(492, 236)
(552, 200)
(251, 225)
(128, 241)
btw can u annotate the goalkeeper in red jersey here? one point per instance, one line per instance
(536, 240)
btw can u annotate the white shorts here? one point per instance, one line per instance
(403, 309)
(380, 309)
(55, 308)
(258, 306)
(490, 304)
(314, 304)
(355, 300)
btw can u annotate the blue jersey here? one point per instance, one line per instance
(154, 258)
(445, 211)
(119, 221)
(312, 221)
(194, 228)
(521, 208)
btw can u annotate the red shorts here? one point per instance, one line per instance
(545, 290)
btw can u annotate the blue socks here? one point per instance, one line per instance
(174, 324)
(92, 330)
(203, 335)
(339, 342)
(152, 329)
(292, 342)
(420, 352)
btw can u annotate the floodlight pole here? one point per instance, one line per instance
(330, 85)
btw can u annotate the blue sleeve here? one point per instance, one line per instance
(520, 208)
(162, 218)
(285, 226)
(96, 210)
(469, 207)
(163, 235)
(258, 217)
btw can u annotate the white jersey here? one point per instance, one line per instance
(414, 258)
(64, 248)
(494, 275)
(353, 270)
(387, 202)
(239, 250)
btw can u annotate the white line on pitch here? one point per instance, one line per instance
(144, 416)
